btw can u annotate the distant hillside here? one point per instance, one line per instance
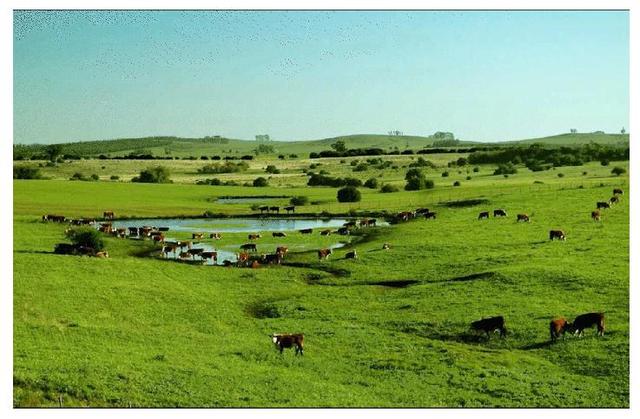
(577, 139)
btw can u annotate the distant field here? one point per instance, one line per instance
(388, 329)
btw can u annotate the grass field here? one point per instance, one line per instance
(388, 329)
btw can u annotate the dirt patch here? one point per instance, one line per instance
(263, 310)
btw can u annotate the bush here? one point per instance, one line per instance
(361, 167)
(86, 237)
(618, 170)
(445, 174)
(157, 174)
(272, 169)
(299, 200)
(260, 182)
(95, 177)
(604, 162)
(226, 167)
(505, 169)
(78, 176)
(388, 188)
(417, 181)
(26, 172)
(456, 183)
(468, 177)
(371, 183)
(349, 194)
(584, 173)
(560, 174)
(114, 177)
(476, 169)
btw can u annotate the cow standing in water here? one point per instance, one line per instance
(288, 341)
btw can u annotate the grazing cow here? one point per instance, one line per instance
(595, 215)
(371, 222)
(255, 264)
(254, 236)
(171, 248)
(227, 262)
(421, 211)
(209, 255)
(585, 321)
(275, 209)
(499, 213)
(484, 214)
(523, 217)
(183, 244)
(325, 232)
(489, 325)
(279, 234)
(386, 246)
(557, 327)
(184, 255)
(601, 205)
(263, 208)
(306, 231)
(133, 231)
(343, 231)
(617, 191)
(195, 252)
(249, 247)
(288, 341)
(351, 255)
(324, 253)
(557, 234)
(272, 258)
(282, 249)
(164, 229)
(105, 228)
(364, 223)
(122, 232)
(197, 235)
(243, 258)
(292, 208)
(614, 200)
(216, 236)
(104, 254)
(430, 215)
(405, 216)
(108, 215)
(349, 224)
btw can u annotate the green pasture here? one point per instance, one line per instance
(389, 329)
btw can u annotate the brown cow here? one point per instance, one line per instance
(108, 215)
(282, 249)
(585, 321)
(324, 253)
(210, 255)
(484, 214)
(171, 248)
(613, 200)
(216, 236)
(272, 258)
(349, 224)
(325, 232)
(557, 327)
(595, 215)
(288, 341)
(102, 254)
(197, 235)
(243, 258)
(523, 217)
(255, 264)
(557, 234)
(279, 234)
(254, 236)
(430, 215)
(600, 205)
(617, 191)
(249, 247)
(489, 325)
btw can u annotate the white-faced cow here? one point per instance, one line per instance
(197, 235)
(484, 214)
(324, 253)
(523, 217)
(499, 213)
(215, 236)
(282, 341)
(557, 234)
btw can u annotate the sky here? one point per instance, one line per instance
(485, 76)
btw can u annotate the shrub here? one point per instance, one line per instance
(505, 169)
(349, 194)
(157, 174)
(476, 169)
(26, 172)
(226, 167)
(77, 176)
(95, 177)
(468, 177)
(456, 183)
(281, 156)
(361, 167)
(114, 177)
(584, 173)
(445, 174)
(388, 188)
(299, 200)
(293, 156)
(272, 169)
(87, 237)
(371, 183)
(560, 174)
(618, 170)
(604, 162)
(416, 181)
(351, 181)
(260, 182)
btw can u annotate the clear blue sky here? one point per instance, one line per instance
(294, 75)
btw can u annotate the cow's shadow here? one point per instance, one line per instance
(537, 345)
(36, 252)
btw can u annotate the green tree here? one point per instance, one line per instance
(339, 146)
(86, 237)
(53, 151)
(26, 172)
(157, 174)
(618, 170)
(260, 182)
(349, 194)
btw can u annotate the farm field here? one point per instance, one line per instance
(390, 328)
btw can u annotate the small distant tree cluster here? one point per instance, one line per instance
(388, 188)
(272, 169)
(260, 182)
(618, 171)
(26, 172)
(371, 183)
(157, 174)
(505, 169)
(299, 200)
(226, 167)
(349, 194)
(416, 180)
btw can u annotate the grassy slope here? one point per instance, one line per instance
(579, 138)
(143, 332)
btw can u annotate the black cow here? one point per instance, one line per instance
(585, 321)
(430, 215)
(290, 209)
(306, 231)
(279, 234)
(249, 247)
(617, 191)
(557, 234)
(489, 325)
(484, 214)
(499, 213)
(601, 205)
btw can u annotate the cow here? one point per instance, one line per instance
(585, 321)
(209, 255)
(275, 209)
(249, 247)
(183, 244)
(349, 224)
(421, 211)
(282, 249)
(595, 215)
(169, 248)
(195, 252)
(105, 228)
(279, 234)
(255, 264)
(405, 216)
(122, 232)
(216, 236)
(108, 215)
(371, 222)
(133, 231)
(343, 231)
(272, 258)
(325, 232)
(163, 229)
(429, 215)
(557, 327)
(600, 205)
(306, 231)
(291, 208)
(184, 255)
(254, 236)
(243, 258)
(522, 217)
(613, 200)
(103, 254)
(364, 223)
(197, 235)
(557, 234)
(489, 325)
(263, 208)
(499, 213)
(484, 214)
(351, 255)
(324, 253)
(288, 341)
(386, 246)
(617, 191)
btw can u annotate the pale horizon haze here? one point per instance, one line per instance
(485, 76)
